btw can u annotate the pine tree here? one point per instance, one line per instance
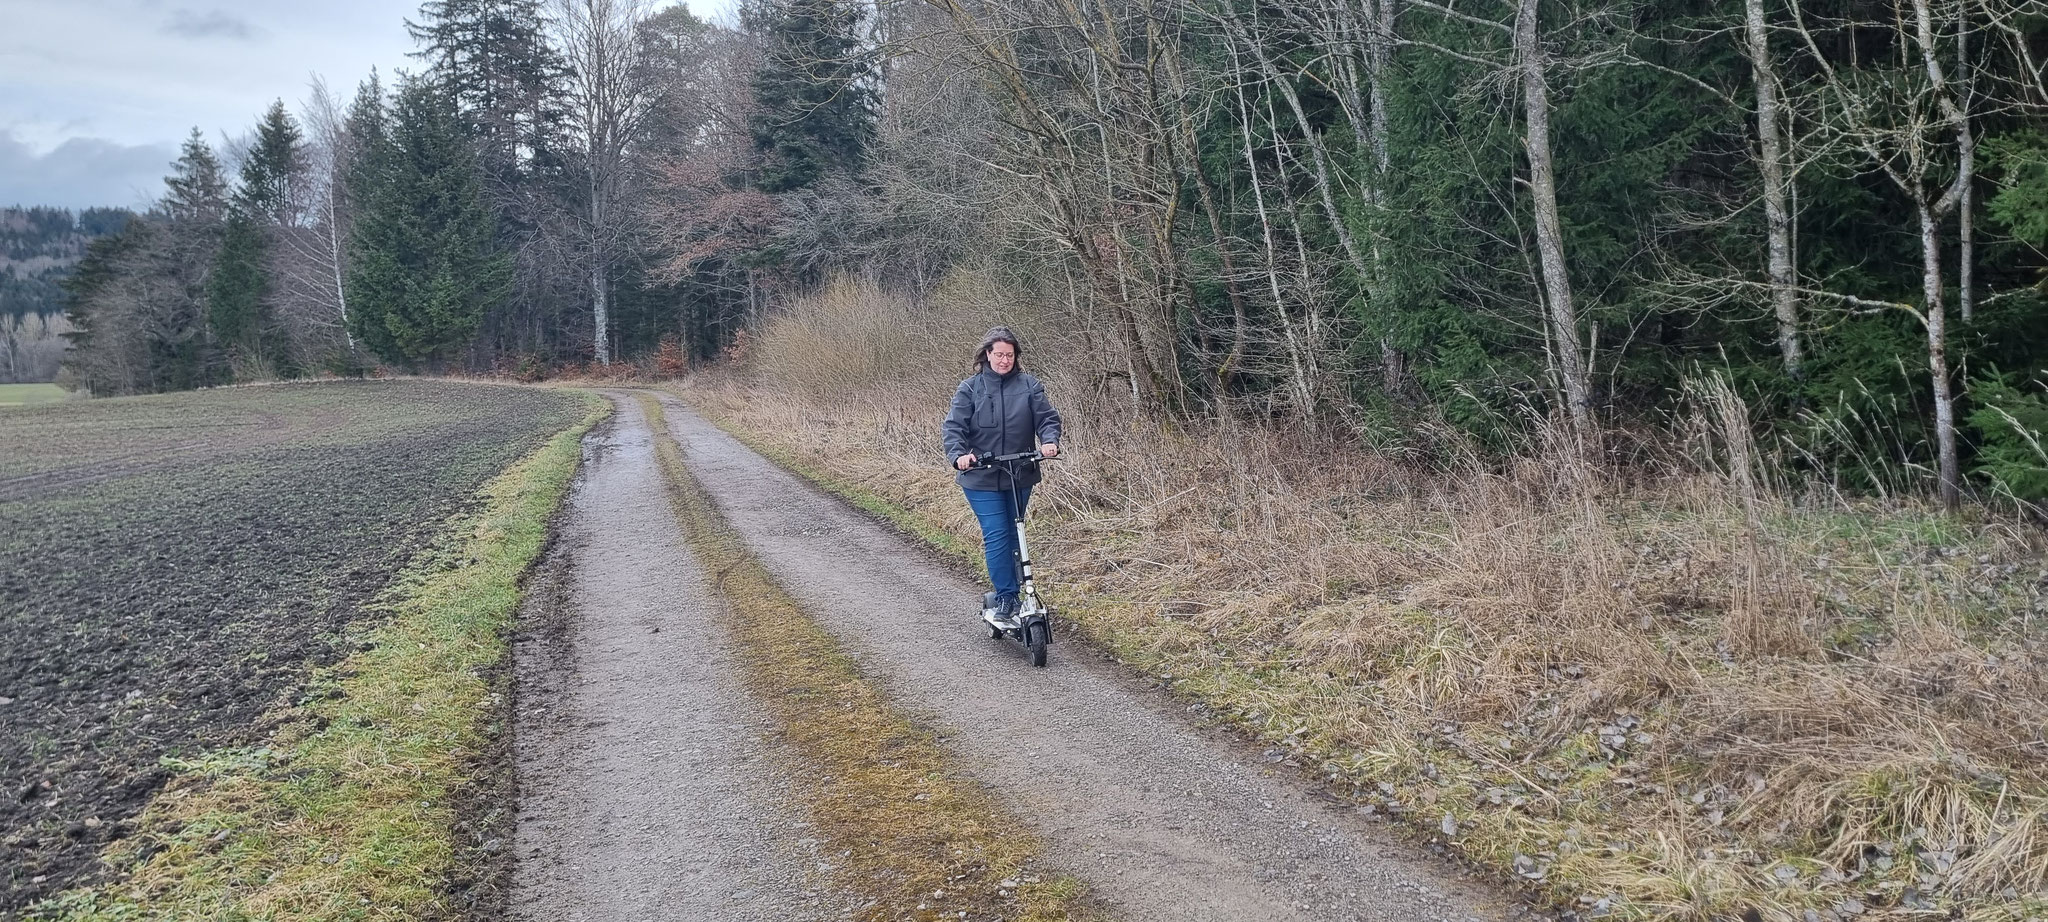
(273, 169)
(367, 127)
(816, 109)
(95, 342)
(238, 289)
(178, 259)
(197, 187)
(424, 265)
(508, 83)
(235, 290)
(494, 59)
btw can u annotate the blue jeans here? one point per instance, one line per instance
(999, 533)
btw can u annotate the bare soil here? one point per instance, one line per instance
(172, 567)
(1157, 816)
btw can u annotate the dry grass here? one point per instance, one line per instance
(917, 837)
(1678, 694)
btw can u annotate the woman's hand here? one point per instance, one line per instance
(964, 461)
(1049, 449)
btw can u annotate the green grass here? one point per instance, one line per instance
(348, 811)
(21, 395)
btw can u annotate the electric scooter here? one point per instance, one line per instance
(1032, 626)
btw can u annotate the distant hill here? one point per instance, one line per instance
(38, 248)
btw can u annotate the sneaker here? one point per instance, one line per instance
(1006, 608)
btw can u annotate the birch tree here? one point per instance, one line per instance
(1909, 124)
(1772, 158)
(1529, 63)
(608, 102)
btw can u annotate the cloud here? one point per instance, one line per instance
(215, 23)
(82, 172)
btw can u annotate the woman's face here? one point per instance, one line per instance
(1002, 357)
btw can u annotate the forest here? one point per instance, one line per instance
(1361, 221)
(38, 249)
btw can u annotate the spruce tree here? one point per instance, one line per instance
(274, 167)
(367, 128)
(504, 78)
(238, 307)
(195, 207)
(235, 290)
(197, 189)
(815, 109)
(424, 265)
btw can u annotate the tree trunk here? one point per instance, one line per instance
(1966, 219)
(1777, 214)
(1937, 359)
(334, 249)
(1227, 368)
(1572, 371)
(599, 311)
(1966, 255)
(1299, 379)
(1380, 53)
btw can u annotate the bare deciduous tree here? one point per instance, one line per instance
(609, 99)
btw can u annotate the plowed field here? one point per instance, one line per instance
(172, 566)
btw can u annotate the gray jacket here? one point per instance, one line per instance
(996, 414)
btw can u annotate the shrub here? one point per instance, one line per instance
(2012, 426)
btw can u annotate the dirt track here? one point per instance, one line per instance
(1162, 820)
(648, 785)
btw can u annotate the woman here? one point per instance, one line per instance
(1001, 410)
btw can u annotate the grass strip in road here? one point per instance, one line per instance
(915, 835)
(351, 808)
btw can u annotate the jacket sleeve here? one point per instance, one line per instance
(1044, 416)
(958, 423)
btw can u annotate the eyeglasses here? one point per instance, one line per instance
(1002, 355)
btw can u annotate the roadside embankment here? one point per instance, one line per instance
(1686, 696)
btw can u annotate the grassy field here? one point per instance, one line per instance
(1681, 697)
(19, 395)
(175, 568)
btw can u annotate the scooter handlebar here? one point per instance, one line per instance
(985, 462)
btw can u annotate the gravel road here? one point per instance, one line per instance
(1163, 820)
(650, 788)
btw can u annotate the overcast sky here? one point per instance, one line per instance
(96, 95)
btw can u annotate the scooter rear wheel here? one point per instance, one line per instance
(1036, 635)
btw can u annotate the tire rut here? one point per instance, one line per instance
(1160, 820)
(649, 787)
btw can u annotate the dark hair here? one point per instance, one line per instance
(988, 341)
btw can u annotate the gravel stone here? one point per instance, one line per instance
(649, 785)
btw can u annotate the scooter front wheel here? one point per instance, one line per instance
(1037, 634)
